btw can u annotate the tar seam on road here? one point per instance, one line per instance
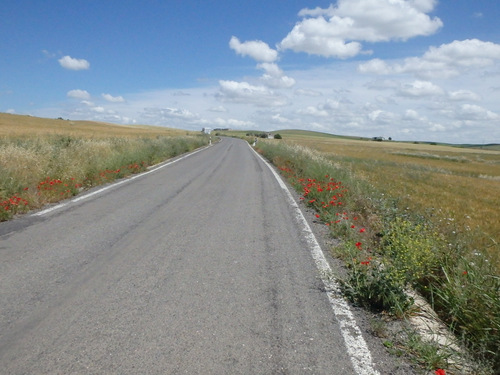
(357, 349)
(86, 196)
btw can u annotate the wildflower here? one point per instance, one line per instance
(358, 245)
(440, 371)
(362, 230)
(464, 273)
(317, 215)
(365, 263)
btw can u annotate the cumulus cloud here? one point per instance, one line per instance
(244, 92)
(338, 30)
(325, 109)
(410, 115)
(113, 99)
(231, 123)
(445, 61)
(78, 94)
(71, 63)
(98, 109)
(274, 76)
(382, 117)
(463, 95)
(256, 49)
(476, 112)
(418, 89)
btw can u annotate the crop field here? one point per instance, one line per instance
(28, 126)
(407, 215)
(457, 188)
(45, 160)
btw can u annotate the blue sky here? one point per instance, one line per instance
(406, 69)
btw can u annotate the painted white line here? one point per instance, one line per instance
(357, 349)
(129, 179)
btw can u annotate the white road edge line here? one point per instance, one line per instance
(357, 349)
(126, 180)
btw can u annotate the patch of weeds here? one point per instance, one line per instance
(428, 355)
(374, 288)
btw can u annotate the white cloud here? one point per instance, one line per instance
(278, 118)
(71, 63)
(78, 94)
(113, 99)
(98, 109)
(463, 95)
(410, 114)
(445, 61)
(256, 49)
(231, 123)
(477, 113)
(308, 92)
(338, 30)
(313, 111)
(274, 76)
(244, 92)
(382, 117)
(420, 89)
(219, 108)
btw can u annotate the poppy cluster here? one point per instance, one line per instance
(325, 194)
(53, 189)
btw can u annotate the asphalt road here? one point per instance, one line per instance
(200, 267)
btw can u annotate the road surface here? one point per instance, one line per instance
(198, 267)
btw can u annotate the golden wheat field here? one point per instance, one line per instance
(28, 126)
(455, 187)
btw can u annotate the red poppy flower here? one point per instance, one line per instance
(440, 371)
(362, 230)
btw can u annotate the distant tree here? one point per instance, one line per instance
(278, 136)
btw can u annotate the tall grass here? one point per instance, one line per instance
(36, 171)
(389, 246)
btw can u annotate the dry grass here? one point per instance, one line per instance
(14, 126)
(457, 188)
(37, 153)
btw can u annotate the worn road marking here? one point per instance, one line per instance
(357, 349)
